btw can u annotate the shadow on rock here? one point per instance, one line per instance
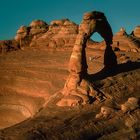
(114, 70)
(110, 59)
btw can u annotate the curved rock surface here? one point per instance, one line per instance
(31, 79)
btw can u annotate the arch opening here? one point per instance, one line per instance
(96, 37)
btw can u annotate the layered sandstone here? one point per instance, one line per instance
(77, 85)
(38, 27)
(31, 83)
(61, 34)
(25, 34)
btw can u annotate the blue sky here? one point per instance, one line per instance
(14, 13)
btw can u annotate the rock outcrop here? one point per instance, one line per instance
(8, 45)
(77, 83)
(125, 42)
(30, 83)
(38, 27)
(131, 104)
(26, 34)
(22, 33)
(105, 112)
(122, 32)
(137, 32)
(61, 34)
(121, 42)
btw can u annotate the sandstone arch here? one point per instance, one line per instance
(77, 83)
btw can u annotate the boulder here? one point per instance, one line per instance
(70, 101)
(131, 104)
(105, 112)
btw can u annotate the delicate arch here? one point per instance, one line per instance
(77, 89)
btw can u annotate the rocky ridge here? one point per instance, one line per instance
(61, 34)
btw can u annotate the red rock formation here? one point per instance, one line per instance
(8, 45)
(61, 34)
(22, 32)
(77, 84)
(25, 34)
(125, 42)
(38, 27)
(122, 32)
(137, 31)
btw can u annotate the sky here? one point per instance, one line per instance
(14, 13)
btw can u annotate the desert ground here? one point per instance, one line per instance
(30, 78)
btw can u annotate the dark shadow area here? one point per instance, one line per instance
(110, 59)
(104, 29)
(120, 68)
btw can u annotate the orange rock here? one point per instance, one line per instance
(130, 104)
(70, 101)
(137, 31)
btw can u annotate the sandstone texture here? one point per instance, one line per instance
(56, 83)
(61, 34)
(77, 84)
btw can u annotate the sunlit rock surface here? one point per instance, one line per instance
(33, 70)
